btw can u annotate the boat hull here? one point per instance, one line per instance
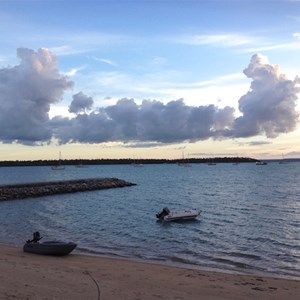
(183, 215)
(57, 168)
(50, 248)
(261, 163)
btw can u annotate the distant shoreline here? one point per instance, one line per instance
(126, 161)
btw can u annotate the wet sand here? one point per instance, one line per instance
(30, 276)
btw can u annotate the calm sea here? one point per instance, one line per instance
(250, 220)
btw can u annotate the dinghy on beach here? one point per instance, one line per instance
(57, 248)
(180, 215)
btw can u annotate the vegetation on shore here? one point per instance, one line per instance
(126, 161)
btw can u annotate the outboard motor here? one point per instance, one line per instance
(162, 214)
(36, 238)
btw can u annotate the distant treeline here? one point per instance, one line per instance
(66, 162)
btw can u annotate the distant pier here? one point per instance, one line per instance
(40, 189)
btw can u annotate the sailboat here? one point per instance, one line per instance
(81, 165)
(283, 161)
(59, 166)
(212, 162)
(137, 163)
(184, 162)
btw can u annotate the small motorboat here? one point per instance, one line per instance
(57, 248)
(187, 214)
(261, 163)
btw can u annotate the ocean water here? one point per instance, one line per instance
(250, 220)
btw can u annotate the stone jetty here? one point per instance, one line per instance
(40, 189)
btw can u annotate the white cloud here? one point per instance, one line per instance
(74, 71)
(104, 60)
(30, 89)
(158, 61)
(273, 47)
(220, 40)
(26, 93)
(296, 35)
(269, 107)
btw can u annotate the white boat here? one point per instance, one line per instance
(184, 162)
(212, 162)
(81, 166)
(180, 215)
(59, 166)
(283, 161)
(261, 163)
(135, 164)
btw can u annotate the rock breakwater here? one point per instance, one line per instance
(40, 189)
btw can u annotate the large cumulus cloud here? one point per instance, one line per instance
(26, 93)
(269, 107)
(28, 90)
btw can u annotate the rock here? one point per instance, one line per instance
(40, 189)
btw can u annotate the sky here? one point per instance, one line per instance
(149, 79)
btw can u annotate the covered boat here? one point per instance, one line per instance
(58, 248)
(187, 214)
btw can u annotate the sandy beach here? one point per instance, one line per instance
(30, 276)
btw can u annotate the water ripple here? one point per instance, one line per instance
(250, 219)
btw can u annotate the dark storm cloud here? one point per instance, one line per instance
(26, 93)
(28, 90)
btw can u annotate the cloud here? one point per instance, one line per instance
(258, 143)
(104, 60)
(158, 61)
(74, 71)
(26, 93)
(80, 103)
(275, 46)
(294, 153)
(29, 89)
(269, 107)
(222, 40)
(151, 121)
(296, 35)
(293, 46)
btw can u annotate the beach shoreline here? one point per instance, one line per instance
(78, 276)
(182, 265)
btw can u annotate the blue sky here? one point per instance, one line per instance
(149, 79)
